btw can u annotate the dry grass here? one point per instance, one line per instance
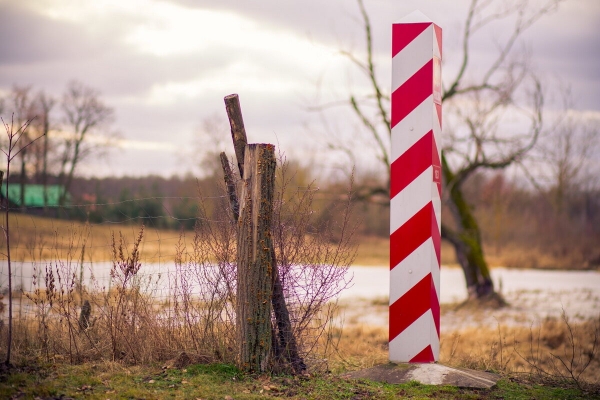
(36, 238)
(513, 256)
(373, 250)
(556, 349)
(358, 347)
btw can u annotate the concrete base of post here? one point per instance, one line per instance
(427, 374)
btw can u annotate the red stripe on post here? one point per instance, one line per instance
(412, 93)
(412, 163)
(408, 308)
(403, 34)
(411, 235)
(425, 356)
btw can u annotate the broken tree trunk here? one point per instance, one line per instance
(238, 132)
(230, 184)
(284, 343)
(254, 261)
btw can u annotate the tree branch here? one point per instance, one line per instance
(371, 68)
(371, 127)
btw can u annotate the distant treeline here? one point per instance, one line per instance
(522, 227)
(551, 228)
(171, 203)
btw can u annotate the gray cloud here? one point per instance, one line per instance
(47, 53)
(30, 38)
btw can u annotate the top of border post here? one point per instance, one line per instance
(410, 27)
(415, 17)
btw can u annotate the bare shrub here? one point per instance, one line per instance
(121, 306)
(43, 301)
(312, 265)
(14, 147)
(127, 322)
(204, 291)
(137, 317)
(571, 351)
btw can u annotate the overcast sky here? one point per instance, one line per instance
(165, 66)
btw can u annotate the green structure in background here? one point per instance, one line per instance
(34, 195)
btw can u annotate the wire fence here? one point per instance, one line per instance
(65, 242)
(83, 252)
(84, 284)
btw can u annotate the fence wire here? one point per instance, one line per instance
(82, 252)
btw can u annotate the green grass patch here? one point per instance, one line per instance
(221, 381)
(224, 371)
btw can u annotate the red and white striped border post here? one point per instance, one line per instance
(415, 190)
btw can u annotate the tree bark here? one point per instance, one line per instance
(285, 342)
(254, 261)
(230, 184)
(238, 132)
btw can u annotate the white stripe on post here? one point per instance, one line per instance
(412, 128)
(415, 190)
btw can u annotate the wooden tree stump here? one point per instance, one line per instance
(285, 348)
(254, 259)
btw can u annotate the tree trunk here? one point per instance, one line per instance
(230, 185)
(254, 262)
(466, 240)
(284, 343)
(238, 131)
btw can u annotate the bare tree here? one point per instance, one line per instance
(17, 142)
(209, 142)
(480, 106)
(21, 106)
(85, 115)
(41, 150)
(566, 155)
